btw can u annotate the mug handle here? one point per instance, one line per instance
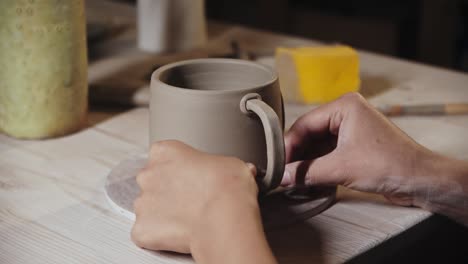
(252, 103)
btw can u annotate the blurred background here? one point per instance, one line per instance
(428, 31)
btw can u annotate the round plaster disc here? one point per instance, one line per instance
(281, 207)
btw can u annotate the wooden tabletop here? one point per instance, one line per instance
(53, 207)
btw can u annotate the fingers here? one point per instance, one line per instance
(142, 177)
(317, 123)
(147, 231)
(252, 168)
(140, 236)
(161, 153)
(158, 239)
(325, 170)
(323, 120)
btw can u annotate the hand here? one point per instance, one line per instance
(348, 142)
(182, 190)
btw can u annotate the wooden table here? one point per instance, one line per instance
(53, 208)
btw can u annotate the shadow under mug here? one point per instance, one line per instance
(225, 107)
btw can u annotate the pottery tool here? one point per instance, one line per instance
(426, 109)
(317, 74)
(130, 86)
(280, 208)
(99, 32)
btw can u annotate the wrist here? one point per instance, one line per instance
(220, 214)
(404, 181)
(230, 231)
(437, 180)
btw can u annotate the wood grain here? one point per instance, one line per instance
(53, 208)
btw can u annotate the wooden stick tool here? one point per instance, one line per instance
(425, 109)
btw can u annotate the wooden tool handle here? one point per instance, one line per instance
(428, 109)
(456, 109)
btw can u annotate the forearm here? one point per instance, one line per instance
(443, 188)
(233, 233)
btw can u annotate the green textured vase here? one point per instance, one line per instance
(43, 67)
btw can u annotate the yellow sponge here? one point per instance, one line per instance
(317, 74)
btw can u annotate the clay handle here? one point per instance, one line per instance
(252, 103)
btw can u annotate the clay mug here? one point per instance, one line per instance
(222, 106)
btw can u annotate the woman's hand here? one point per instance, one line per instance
(193, 202)
(348, 142)
(180, 187)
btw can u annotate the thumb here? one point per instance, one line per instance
(324, 170)
(252, 168)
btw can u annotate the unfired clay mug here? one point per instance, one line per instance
(222, 106)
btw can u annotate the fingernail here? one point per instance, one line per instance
(252, 168)
(286, 178)
(287, 141)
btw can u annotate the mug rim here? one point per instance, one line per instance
(155, 77)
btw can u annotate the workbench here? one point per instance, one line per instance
(52, 203)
